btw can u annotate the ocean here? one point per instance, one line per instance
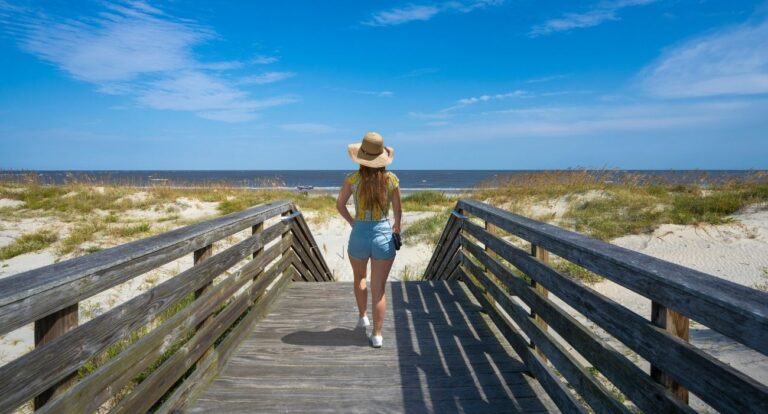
(332, 179)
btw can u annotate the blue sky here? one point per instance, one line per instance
(468, 84)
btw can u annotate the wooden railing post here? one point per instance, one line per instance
(201, 254)
(543, 256)
(677, 325)
(46, 330)
(492, 230)
(254, 231)
(295, 240)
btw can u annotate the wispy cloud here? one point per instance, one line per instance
(546, 79)
(423, 12)
(267, 77)
(380, 94)
(133, 48)
(732, 61)
(600, 13)
(465, 102)
(419, 72)
(597, 120)
(309, 128)
(264, 60)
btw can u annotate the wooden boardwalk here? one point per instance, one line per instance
(440, 354)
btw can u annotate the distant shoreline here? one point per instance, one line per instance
(448, 181)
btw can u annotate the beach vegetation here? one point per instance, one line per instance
(426, 201)
(410, 274)
(129, 230)
(426, 229)
(575, 271)
(82, 232)
(610, 204)
(27, 243)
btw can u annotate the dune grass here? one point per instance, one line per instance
(81, 233)
(426, 229)
(631, 205)
(426, 201)
(27, 243)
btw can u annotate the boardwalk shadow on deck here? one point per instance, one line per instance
(464, 369)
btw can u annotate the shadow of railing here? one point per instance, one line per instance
(449, 359)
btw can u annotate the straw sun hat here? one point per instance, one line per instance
(371, 152)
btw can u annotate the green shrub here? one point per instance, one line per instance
(30, 242)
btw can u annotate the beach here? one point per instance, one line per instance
(735, 250)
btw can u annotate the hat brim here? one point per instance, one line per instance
(373, 161)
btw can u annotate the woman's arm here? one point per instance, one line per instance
(398, 210)
(341, 202)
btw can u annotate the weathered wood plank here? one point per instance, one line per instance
(99, 386)
(677, 325)
(441, 363)
(159, 381)
(446, 238)
(556, 390)
(302, 249)
(43, 367)
(450, 257)
(46, 330)
(732, 309)
(726, 388)
(302, 273)
(214, 363)
(314, 247)
(623, 373)
(31, 295)
(577, 376)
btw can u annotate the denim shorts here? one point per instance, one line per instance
(371, 239)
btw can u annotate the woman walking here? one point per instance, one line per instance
(373, 188)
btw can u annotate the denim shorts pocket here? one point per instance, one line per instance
(383, 246)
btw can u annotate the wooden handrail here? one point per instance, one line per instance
(717, 303)
(208, 320)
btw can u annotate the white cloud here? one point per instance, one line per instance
(485, 98)
(465, 102)
(733, 61)
(309, 128)
(420, 72)
(267, 77)
(602, 12)
(402, 15)
(264, 60)
(135, 49)
(597, 120)
(415, 12)
(381, 94)
(546, 79)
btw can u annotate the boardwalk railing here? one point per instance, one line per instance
(164, 343)
(513, 286)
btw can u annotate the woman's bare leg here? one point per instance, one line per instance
(360, 269)
(379, 274)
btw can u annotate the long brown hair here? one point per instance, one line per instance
(373, 188)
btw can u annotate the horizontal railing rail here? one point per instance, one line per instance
(514, 286)
(156, 349)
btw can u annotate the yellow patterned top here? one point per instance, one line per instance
(361, 212)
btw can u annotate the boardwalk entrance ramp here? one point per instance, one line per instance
(440, 355)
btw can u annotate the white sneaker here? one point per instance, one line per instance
(376, 341)
(363, 322)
